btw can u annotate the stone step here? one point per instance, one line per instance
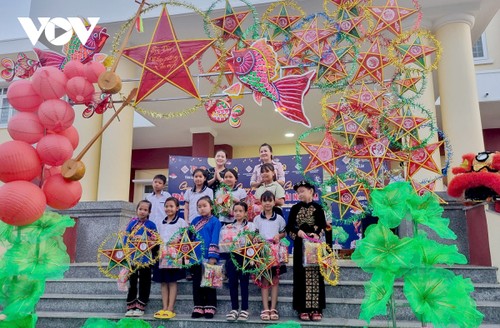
(77, 319)
(336, 307)
(349, 271)
(345, 289)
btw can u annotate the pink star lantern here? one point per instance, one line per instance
(166, 59)
(372, 63)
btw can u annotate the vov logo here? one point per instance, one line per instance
(49, 25)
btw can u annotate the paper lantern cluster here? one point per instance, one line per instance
(43, 139)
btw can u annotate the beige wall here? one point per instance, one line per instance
(145, 175)
(253, 151)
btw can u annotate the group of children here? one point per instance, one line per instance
(199, 213)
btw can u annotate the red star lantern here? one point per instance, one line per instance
(376, 151)
(422, 189)
(366, 100)
(414, 53)
(346, 196)
(351, 127)
(389, 17)
(324, 154)
(188, 251)
(422, 158)
(407, 126)
(349, 22)
(230, 23)
(166, 59)
(310, 38)
(143, 245)
(408, 83)
(119, 255)
(331, 61)
(372, 63)
(283, 22)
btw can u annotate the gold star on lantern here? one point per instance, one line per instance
(422, 189)
(372, 63)
(310, 38)
(251, 252)
(230, 23)
(119, 255)
(422, 158)
(415, 52)
(283, 22)
(366, 100)
(376, 151)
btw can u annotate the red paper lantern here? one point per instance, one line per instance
(49, 82)
(79, 90)
(92, 71)
(56, 115)
(74, 68)
(18, 161)
(23, 97)
(25, 127)
(54, 149)
(72, 134)
(61, 193)
(21, 203)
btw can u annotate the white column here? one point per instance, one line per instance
(461, 119)
(116, 144)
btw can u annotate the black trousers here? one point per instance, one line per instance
(202, 296)
(143, 275)
(235, 276)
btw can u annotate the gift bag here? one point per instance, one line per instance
(122, 280)
(213, 275)
(168, 257)
(279, 253)
(310, 252)
(228, 234)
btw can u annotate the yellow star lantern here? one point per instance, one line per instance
(189, 249)
(328, 266)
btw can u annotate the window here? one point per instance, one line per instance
(6, 110)
(479, 50)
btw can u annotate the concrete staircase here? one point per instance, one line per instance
(84, 293)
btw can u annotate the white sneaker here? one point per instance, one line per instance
(130, 313)
(138, 313)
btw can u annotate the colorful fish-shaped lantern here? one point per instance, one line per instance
(255, 67)
(74, 49)
(23, 67)
(221, 110)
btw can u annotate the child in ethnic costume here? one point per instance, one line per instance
(306, 220)
(208, 226)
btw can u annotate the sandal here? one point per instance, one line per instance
(264, 315)
(162, 314)
(274, 315)
(316, 316)
(232, 316)
(304, 317)
(243, 316)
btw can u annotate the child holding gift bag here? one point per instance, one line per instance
(168, 276)
(235, 276)
(271, 226)
(306, 221)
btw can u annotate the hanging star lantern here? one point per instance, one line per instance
(221, 62)
(283, 22)
(349, 23)
(389, 17)
(372, 63)
(252, 250)
(323, 155)
(331, 61)
(230, 23)
(406, 126)
(188, 250)
(265, 272)
(166, 59)
(415, 53)
(422, 189)
(375, 182)
(366, 100)
(351, 127)
(310, 38)
(376, 150)
(422, 158)
(408, 83)
(346, 196)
